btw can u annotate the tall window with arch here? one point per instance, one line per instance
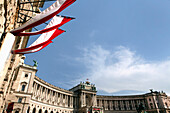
(23, 87)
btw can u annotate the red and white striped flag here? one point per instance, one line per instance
(55, 23)
(47, 14)
(40, 43)
(33, 50)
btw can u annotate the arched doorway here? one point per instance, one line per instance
(51, 112)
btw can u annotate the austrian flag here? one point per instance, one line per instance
(47, 14)
(49, 32)
(40, 43)
(55, 23)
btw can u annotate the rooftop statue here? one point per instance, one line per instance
(35, 63)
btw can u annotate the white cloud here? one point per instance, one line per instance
(122, 69)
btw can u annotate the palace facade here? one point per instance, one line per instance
(30, 94)
(21, 91)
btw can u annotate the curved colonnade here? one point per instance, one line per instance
(47, 98)
(33, 95)
(120, 103)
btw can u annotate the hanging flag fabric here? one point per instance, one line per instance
(56, 22)
(40, 43)
(34, 50)
(47, 37)
(47, 14)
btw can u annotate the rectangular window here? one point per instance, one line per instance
(19, 100)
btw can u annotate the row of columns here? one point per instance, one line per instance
(44, 94)
(119, 104)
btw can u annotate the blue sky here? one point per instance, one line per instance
(117, 44)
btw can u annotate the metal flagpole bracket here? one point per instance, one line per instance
(22, 18)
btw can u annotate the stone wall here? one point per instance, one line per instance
(9, 16)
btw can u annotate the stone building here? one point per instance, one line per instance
(23, 92)
(30, 94)
(13, 13)
(153, 102)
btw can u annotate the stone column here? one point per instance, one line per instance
(75, 102)
(127, 106)
(95, 100)
(34, 91)
(38, 90)
(46, 94)
(66, 100)
(84, 99)
(100, 103)
(116, 105)
(50, 96)
(61, 99)
(105, 105)
(71, 101)
(39, 93)
(56, 98)
(80, 101)
(133, 104)
(120, 102)
(41, 88)
(111, 105)
(92, 100)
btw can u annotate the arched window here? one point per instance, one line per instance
(46, 111)
(23, 86)
(51, 111)
(34, 110)
(40, 111)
